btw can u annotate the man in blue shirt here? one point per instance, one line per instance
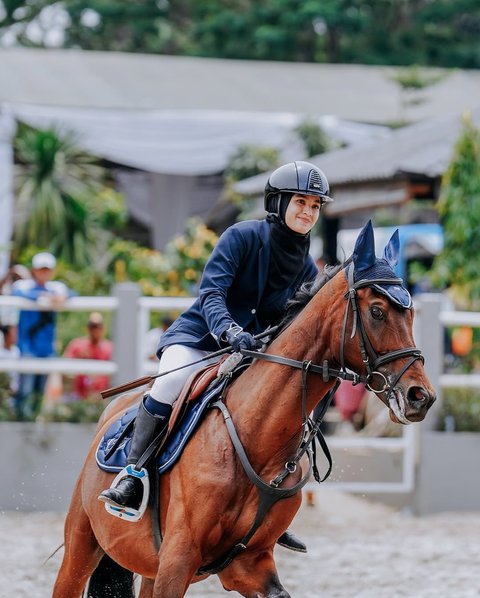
(36, 329)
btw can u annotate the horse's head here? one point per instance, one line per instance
(378, 334)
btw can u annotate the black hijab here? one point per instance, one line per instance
(288, 250)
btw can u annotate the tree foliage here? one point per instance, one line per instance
(53, 178)
(457, 265)
(425, 32)
(313, 137)
(248, 160)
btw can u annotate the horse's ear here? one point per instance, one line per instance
(364, 252)
(392, 249)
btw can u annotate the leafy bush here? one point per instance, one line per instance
(186, 256)
(313, 137)
(6, 412)
(460, 411)
(85, 411)
(456, 266)
(249, 160)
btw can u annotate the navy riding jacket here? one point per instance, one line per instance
(232, 290)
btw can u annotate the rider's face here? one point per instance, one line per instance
(302, 213)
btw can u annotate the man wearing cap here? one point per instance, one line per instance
(36, 329)
(92, 346)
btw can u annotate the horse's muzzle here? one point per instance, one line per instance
(410, 405)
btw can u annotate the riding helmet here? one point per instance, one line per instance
(295, 177)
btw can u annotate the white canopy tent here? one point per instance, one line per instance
(186, 142)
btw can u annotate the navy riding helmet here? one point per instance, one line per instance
(295, 177)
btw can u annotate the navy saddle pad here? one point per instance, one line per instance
(174, 444)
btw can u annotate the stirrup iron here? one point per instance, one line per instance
(129, 513)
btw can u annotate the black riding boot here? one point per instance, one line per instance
(128, 492)
(290, 541)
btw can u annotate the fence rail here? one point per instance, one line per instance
(63, 365)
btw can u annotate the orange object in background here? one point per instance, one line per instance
(462, 341)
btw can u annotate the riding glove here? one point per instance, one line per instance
(238, 339)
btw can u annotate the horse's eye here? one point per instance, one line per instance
(377, 313)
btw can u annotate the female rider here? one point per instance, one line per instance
(255, 268)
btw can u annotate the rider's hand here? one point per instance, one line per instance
(238, 339)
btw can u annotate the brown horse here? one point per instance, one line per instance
(207, 501)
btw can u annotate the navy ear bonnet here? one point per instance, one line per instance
(369, 267)
(397, 293)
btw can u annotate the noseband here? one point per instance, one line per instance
(371, 359)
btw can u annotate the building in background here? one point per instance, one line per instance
(167, 125)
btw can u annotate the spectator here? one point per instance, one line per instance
(36, 329)
(8, 314)
(9, 350)
(153, 336)
(92, 346)
(349, 401)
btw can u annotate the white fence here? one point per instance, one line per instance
(126, 354)
(131, 322)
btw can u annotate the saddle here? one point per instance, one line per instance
(200, 389)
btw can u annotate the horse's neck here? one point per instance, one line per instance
(266, 400)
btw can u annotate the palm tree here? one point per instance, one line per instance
(54, 178)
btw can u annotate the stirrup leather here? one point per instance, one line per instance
(129, 513)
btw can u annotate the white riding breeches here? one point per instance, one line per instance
(167, 389)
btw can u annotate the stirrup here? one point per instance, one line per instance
(129, 513)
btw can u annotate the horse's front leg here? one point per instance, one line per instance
(82, 552)
(254, 575)
(178, 563)
(146, 589)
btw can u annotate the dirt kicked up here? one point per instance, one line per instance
(357, 549)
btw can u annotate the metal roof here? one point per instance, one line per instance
(424, 148)
(116, 80)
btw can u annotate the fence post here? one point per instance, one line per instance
(125, 332)
(431, 340)
(429, 337)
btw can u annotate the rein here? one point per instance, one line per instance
(269, 494)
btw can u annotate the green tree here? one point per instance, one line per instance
(449, 33)
(248, 160)
(397, 32)
(117, 25)
(15, 17)
(313, 137)
(54, 183)
(458, 264)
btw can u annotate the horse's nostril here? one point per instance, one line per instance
(416, 393)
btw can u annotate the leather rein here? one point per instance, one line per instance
(270, 493)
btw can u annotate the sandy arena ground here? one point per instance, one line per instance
(357, 549)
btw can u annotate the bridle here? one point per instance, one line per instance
(371, 359)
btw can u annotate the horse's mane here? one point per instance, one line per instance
(306, 292)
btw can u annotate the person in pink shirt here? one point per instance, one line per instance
(93, 346)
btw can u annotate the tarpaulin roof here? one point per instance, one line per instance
(189, 142)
